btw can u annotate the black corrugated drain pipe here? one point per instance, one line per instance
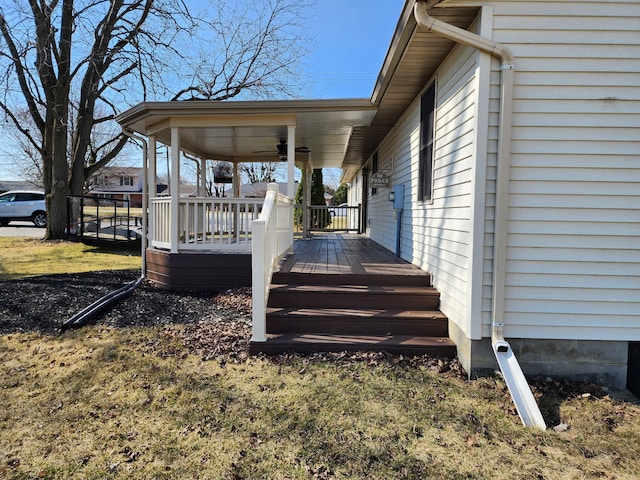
(81, 318)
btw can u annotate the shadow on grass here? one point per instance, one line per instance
(130, 248)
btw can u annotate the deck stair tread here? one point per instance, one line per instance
(355, 289)
(405, 344)
(411, 279)
(357, 313)
(354, 296)
(345, 293)
(357, 321)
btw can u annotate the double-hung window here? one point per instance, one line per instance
(427, 126)
(126, 181)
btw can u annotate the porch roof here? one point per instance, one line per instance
(243, 131)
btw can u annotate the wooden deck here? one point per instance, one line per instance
(345, 254)
(340, 291)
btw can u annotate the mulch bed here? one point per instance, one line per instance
(212, 326)
(207, 324)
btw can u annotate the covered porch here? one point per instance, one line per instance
(189, 233)
(329, 291)
(303, 134)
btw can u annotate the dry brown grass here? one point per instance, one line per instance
(133, 403)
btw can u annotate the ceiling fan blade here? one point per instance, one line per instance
(282, 149)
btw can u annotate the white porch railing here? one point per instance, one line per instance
(204, 223)
(272, 239)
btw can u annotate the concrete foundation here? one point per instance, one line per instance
(600, 362)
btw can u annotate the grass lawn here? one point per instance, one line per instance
(107, 403)
(20, 257)
(112, 403)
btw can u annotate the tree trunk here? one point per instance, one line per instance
(57, 197)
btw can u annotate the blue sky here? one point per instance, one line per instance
(352, 38)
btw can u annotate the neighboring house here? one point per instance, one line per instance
(512, 146)
(124, 183)
(7, 185)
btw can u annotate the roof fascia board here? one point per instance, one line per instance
(404, 30)
(206, 108)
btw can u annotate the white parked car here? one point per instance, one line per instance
(23, 205)
(340, 210)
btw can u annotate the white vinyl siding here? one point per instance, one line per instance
(436, 234)
(573, 261)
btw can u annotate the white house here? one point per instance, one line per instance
(509, 135)
(519, 151)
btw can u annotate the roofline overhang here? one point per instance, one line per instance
(280, 110)
(401, 37)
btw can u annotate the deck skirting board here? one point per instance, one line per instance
(198, 271)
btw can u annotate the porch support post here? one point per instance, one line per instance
(308, 173)
(291, 160)
(236, 208)
(152, 189)
(291, 184)
(202, 191)
(175, 187)
(236, 180)
(306, 181)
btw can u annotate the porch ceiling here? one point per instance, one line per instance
(250, 131)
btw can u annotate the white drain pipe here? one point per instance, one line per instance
(514, 378)
(145, 196)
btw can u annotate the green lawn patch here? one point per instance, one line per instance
(20, 257)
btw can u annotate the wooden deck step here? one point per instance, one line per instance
(408, 280)
(396, 344)
(346, 293)
(355, 296)
(357, 321)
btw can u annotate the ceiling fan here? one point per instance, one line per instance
(281, 150)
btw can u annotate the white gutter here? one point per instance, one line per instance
(145, 196)
(511, 371)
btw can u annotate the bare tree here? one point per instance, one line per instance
(110, 54)
(259, 172)
(24, 159)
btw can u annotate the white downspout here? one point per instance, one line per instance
(521, 394)
(145, 197)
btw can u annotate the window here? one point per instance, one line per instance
(427, 117)
(126, 181)
(29, 197)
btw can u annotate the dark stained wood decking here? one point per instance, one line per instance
(339, 292)
(345, 254)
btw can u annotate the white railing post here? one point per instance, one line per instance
(258, 283)
(271, 240)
